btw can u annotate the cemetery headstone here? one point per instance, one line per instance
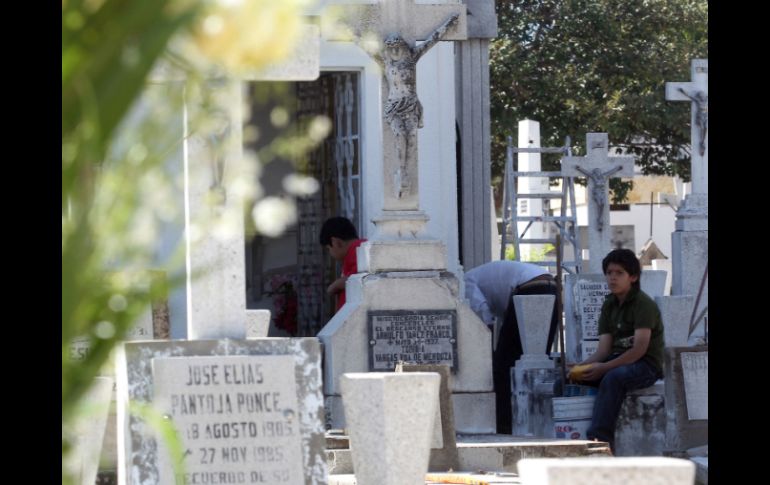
(247, 411)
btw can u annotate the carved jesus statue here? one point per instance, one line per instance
(701, 116)
(599, 190)
(403, 111)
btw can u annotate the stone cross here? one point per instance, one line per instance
(397, 25)
(697, 92)
(598, 167)
(689, 243)
(410, 20)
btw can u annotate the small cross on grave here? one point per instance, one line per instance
(598, 167)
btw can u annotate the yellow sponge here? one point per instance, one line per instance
(576, 374)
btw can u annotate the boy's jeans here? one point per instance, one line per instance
(613, 387)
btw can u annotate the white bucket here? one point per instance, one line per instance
(572, 416)
(573, 407)
(574, 429)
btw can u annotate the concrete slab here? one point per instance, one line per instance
(493, 452)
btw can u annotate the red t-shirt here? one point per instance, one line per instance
(349, 267)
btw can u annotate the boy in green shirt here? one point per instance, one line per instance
(630, 352)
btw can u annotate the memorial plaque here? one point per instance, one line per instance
(590, 298)
(412, 336)
(589, 347)
(695, 368)
(236, 417)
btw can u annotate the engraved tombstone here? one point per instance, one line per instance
(246, 411)
(583, 299)
(416, 336)
(236, 417)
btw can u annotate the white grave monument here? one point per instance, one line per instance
(690, 240)
(695, 368)
(246, 411)
(405, 306)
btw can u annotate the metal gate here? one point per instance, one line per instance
(336, 164)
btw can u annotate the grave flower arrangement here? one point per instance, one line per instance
(284, 295)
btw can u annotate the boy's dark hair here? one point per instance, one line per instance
(339, 227)
(627, 260)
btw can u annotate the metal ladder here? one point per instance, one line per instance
(567, 224)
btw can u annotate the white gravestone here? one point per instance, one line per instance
(390, 419)
(695, 368)
(664, 265)
(689, 242)
(583, 299)
(242, 409)
(598, 167)
(653, 282)
(443, 453)
(236, 417)
(675, 311)
(400, 267)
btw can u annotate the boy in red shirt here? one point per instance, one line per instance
(339, 236)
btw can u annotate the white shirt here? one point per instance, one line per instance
(488, 286)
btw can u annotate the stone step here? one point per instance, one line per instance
(468, 478)
(491, 453)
